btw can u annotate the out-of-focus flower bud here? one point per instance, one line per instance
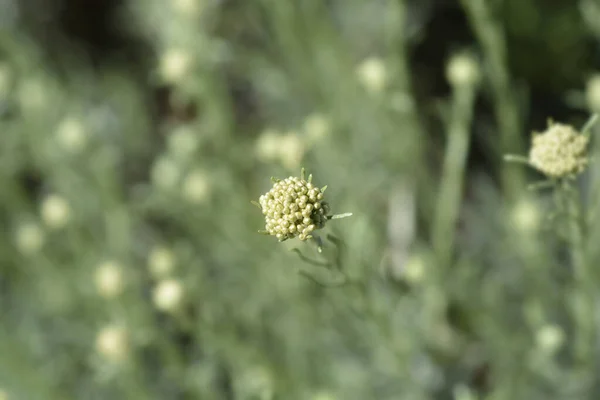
(373, 75)
(29, 238)
(109, 279)
(112, 343)
(462, 70)
(55, 211)
(168, 295)
(161, 262)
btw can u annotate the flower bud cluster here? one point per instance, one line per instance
(293, 208)
(559, 152)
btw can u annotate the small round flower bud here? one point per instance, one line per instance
(267, 145)
(550, 338)
(71, 135)
(33, 94)
(525, 216)
(174, 65)
(109, 279)
(414, 269)
(165, 173)
(29, 238)
(316, 127)
(291, 150)
(196, 187)
(161, 262)
(167, 295)
(462, 70)
(372, 74)
(112, 343)
(182, 142)
(559, 152)
(55, 212)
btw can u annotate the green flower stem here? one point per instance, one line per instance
(584, 309)
(331, 263)
(398, 50)
(449, 197)
(516, 159)
(589, 125)
(576, 235)
(339, 216)
(489, 34)
(550, 183)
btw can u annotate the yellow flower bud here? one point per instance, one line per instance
(288, 216)
(112, 343)
(560, 151)
(55, 212)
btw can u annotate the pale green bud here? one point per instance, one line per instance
(373, 75)
(462, 70)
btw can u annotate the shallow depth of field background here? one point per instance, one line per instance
(135, 133)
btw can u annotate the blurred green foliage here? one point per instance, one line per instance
(130, 266)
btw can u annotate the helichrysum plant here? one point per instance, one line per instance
(561, 153)
(295, 207)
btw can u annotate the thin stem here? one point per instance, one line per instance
(516, 159)
(584, 336)
(572, 208)
(339, 216)
(309, 260)
(587, 128)
(489, 34)
(334, 283)
(450, 192)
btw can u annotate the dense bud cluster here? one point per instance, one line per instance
(294, 207)
(559, 152)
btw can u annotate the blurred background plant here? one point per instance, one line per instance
(134, 133)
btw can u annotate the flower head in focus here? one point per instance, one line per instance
(560, 151)
(294, 207)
